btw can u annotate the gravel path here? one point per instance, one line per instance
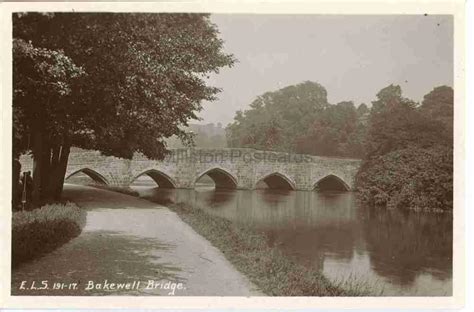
(134, 244)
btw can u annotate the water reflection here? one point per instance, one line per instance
(405, 253)
(402, 244)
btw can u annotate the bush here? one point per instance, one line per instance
(37, 232)
(411, 178)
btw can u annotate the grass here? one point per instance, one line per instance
(274, 273)
(42, 230)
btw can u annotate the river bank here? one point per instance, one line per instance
(127, 240)
(266, 266)
(329, 237)
(395, 252)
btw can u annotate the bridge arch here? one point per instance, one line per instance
(277, 180)
(331, 182)
(221, 177)
(162, 179)
(94, 175)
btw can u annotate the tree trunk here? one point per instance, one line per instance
(51, 160)
(61, 173)
(47, 171)
(56, 150)
(37, 166)
(53, 177)
(16, 171)
(54, 169)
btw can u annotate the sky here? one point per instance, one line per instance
(353, 57)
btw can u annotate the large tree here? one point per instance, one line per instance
(338, 130)
(409, 163)
(439, 105)
(299, 119)
(142, 78)
(42, 79)
(276, 119)
(396, 122)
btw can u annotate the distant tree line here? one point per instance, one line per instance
(406, 147)
(204, 136)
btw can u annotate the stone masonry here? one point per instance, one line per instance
(240, 168)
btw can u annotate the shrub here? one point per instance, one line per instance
(39, 231)
(411, 178)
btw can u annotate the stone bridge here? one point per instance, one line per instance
(240, 168)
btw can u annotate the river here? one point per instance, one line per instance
(398, 253)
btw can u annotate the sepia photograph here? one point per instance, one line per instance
(231, 154)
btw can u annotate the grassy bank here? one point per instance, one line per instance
(119, 189)
(266, 267)
(40, 231)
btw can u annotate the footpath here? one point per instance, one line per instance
(130, 246)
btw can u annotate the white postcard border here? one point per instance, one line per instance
(455, 8)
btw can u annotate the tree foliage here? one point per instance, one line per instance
(409, 178)
(145, 73)
(338, 130)
(276, 119)
(409, 163)
(396, 122)
(299, 119)
(42, 87)
(144, 78)
(406, 147)
(438, 105)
